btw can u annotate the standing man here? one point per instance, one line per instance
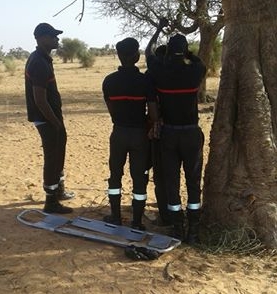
(177, 81)
(44, 109)
(157, 55)
(129, 96)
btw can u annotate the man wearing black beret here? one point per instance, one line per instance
(129, 96)
(177, 79)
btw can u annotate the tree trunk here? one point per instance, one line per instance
(208, 35)
(240, 183)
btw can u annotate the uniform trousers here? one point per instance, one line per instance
(54, 148)
(182, 147)
(135, 143)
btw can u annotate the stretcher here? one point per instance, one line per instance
(96, 230)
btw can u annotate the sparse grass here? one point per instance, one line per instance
(244, 240)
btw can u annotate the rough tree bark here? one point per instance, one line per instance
(240, 183)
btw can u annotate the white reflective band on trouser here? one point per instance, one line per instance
(194, 206)
(114, 191)
(62, 177)
(139, 197)
(51, 187)
(38, 123)
(177, 207)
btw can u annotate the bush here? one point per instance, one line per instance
(9, 65)
(86, 58)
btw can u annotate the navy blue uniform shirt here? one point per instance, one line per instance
(127, 91)
(177, 84)
(39, 72)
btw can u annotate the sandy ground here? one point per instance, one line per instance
(39, 261)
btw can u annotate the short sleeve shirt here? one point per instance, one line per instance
(127, 91)
(177, 86)
(39, 72)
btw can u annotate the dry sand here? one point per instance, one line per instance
(39, 261)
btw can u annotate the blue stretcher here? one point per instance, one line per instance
(97, 230)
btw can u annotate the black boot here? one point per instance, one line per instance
(138, 210)
(62, 194)
(177, 219)
(193, 216)
(52, 205)
(115, 217)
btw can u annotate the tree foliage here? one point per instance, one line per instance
(74, 48)
(141, 18)
(69, 49)
(2, 53)
(18, 53)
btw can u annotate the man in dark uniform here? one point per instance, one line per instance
(157, 54)
(177, 83)
(44, 109)
(127, 92)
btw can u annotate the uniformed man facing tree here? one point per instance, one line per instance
(177, 80)
(129, 96)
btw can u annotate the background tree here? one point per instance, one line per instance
(240, 184)
(2, 53)
(18, 53)
(140, 19)
(69, 48)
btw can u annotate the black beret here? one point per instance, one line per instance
(127, 47)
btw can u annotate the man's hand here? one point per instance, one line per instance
(163, 23)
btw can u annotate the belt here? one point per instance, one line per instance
(180, 127)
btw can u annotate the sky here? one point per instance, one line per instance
(20, 17)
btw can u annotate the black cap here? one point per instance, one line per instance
(45, 29)
(177, 45)
(127, 47)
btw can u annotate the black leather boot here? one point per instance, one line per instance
(115, 216)
(177, 218)
(138, 210)
(52, 205)
(193, 216)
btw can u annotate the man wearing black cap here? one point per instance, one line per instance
(44, 109)
(177, 80)
(128, 95)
